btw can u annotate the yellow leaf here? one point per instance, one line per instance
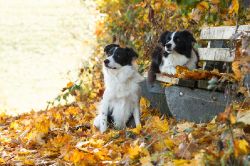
(232, 118)
(159, 124)
(3, 117)
(169, 143)
(134, 151)
(241, 147)
(14, 125)
(234, 8)
(42, 125)
(137, 130)
(2, 161)
(75, 156)
(144, 102)
(93, 95)
(60, 140)
(28, 162)
(180, 162)
(72, 111)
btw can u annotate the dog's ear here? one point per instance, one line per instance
(189, 35)
(109, 47)
(162, 39)
(131, 53)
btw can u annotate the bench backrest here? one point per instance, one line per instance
(222, 33)
(215, 36)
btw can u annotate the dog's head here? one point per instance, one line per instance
(180, 41)
(118, 57)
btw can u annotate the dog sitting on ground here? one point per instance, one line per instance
(176, 49)
(120, 100)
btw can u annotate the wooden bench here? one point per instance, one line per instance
(190, 99)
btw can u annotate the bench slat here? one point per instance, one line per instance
(222, 32)
(216, 54)
(163, 78)
(176, 81)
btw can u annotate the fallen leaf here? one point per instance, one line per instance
(180, 162)
(234, 8)
(134, 151)
(241, 147)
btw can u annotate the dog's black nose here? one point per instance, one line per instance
(168, 45)
(106, 61)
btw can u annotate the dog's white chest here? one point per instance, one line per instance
(120, 98)
(171, 61)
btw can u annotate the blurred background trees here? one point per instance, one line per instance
(138, 23)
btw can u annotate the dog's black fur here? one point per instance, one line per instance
(184, 45)
(122, 56)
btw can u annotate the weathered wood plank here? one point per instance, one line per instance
(221, 32)
(216, 54)
(175, 81)
(164, 78)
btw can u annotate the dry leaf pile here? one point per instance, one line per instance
(65, 136)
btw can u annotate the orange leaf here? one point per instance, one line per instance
(70, 84)
(203, 5)
(236, 69)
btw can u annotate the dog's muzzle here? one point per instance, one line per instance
(106, 63)
(168, 47)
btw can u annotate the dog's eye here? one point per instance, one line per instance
(169, 38)
(109, 53)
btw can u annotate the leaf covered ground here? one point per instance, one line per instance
(65, 136)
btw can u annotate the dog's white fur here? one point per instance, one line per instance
(121, 97)
(175, 59)
(171, 42)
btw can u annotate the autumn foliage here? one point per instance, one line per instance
(139, 23)
(64, 135)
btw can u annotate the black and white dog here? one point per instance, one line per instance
(176, 49)
(120, 100)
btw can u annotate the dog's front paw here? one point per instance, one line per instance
(100, 122)
(97, 122)
(103, 128)
(171, 70)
